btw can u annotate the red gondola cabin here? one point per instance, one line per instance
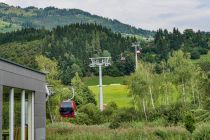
(67, 109)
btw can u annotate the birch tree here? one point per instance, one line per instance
(141, 88)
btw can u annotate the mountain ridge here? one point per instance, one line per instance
(13, 18)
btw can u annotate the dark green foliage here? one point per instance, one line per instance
(202, 51)
(195, 54)
(114, 125)
(109, 110)
(71, 46)
(22, 53)
(83, 94)
(82, 118)
(24, 35)
(126, 115)
(89, 95)
(93, 114)
(166, 42)
(189, 122)
(204, 65)
(172, 114)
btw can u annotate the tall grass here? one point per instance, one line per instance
(103, 133)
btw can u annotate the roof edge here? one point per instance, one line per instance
(19, 65)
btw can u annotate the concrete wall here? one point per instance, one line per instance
(39, 116)
(16, 76)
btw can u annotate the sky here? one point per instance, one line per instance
(146, 14)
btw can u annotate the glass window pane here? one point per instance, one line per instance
(5, 113)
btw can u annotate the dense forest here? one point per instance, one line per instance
(13, 18)
(165, 42)
(71, 46)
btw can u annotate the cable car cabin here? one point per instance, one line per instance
(67, 109)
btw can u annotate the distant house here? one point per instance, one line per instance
(22, 102)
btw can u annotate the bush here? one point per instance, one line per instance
(204, 65)
(109, 110)
(195, 54)
(189, 123)
(202, 51)
(82, 118)
(202, 132)
(126, 115)
(172, 114)
(92, 113)
(114, 125)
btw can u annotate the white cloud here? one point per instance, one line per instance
(147, 14)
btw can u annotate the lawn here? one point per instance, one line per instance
(116, 93)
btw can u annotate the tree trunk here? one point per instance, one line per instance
(151, 97)
(199, 101)
(193, 92)
(166, 94)
(144, 108)
(183, 91)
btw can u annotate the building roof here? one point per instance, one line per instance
(16, 64)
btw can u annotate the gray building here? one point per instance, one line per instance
(22, 102)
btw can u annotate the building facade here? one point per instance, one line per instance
(22, 102)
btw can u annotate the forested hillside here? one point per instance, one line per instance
(13, 18)
(71, 46)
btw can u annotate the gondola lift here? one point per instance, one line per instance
(138, 51)
(68, 107)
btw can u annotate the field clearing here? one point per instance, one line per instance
(115, 93)
(107, 80)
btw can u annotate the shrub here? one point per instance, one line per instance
(82, 118)
(202, 132)
(204, 65)
(114, 125)
(171, 113)
(126, 115)
(189, 122)
(202, 50)
(195, 54)
(109, 111)
(93, 113)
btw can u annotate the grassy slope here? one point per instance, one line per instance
(107, 80)
(116, 93)
(111, 92)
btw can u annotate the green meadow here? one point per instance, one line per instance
(107, 80)
(113, 93)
